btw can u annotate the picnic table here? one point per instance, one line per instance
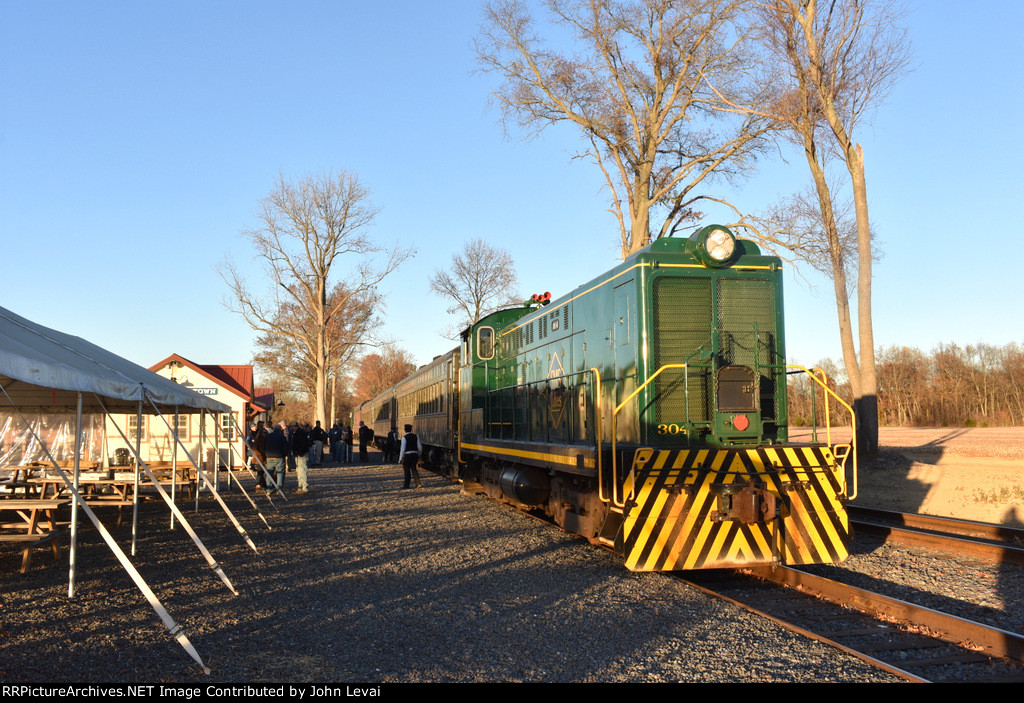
(32, 521)
(97, 491)
(18, 480)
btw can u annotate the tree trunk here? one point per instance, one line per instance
(639, 226)
(868, 396)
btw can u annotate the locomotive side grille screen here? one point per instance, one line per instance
(746, 316)
(682, 329)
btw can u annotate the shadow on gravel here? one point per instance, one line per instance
(893, 470)
(918, 596)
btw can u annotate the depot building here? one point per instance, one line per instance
(203, 435)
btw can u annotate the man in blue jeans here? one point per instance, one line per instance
(277, 448)
(300, 447)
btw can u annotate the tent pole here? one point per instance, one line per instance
(135, 497)
(73, 548)
(157, 606)
(248, 497)
(199, 467)
(175, 510)
(209, 484)
(216, 450)
(263, 467)
(266, 473)
(174, 465)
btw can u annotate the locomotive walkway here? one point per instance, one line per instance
(361, 581)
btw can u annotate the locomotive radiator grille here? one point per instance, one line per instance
(682, 328)
(686, 311)
(677, 520)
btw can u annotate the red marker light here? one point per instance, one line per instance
(741, 422)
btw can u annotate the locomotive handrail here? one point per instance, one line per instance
(598, 419)
(542, 380)
(619, 501)
(828, 423)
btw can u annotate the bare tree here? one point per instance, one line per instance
(903, 375)
(291, 365)
(829, 65)
(306, 229)
(637, 89)
(481, 280)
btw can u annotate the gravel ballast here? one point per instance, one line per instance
(361, 581)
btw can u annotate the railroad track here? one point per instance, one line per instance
(907, 640)
(997, 544)
(910, 641)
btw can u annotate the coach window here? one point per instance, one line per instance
(485, 343)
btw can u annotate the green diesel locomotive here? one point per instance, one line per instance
(646, 409)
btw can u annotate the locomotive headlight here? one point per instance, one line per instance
(720, 245)
(714, 246)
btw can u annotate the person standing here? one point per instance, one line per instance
(408, 454)
(391, 446)
(334, 437)
(258, 446)
(365, 438)
(299, 448)
(276, 448)
(347, 440)
(319, 438)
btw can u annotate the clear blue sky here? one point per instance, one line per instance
(136, 139)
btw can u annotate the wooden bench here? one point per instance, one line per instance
(164, 473)
(92, 490)
(34, 540)
(32, 512)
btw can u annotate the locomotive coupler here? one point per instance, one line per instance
(746, 504)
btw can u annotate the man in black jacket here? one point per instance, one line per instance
(277, 448)
(365, 437)
(334, 437)
(318, 438)
(299, 449)
(257, 441)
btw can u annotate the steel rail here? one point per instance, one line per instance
(810, 634)
(970, 528)
(991, 640)
(951, 536)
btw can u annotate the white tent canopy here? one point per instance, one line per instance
(44, 370)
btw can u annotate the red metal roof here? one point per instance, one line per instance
(237, 378)
(265, 398)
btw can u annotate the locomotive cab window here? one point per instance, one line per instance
(485, 343)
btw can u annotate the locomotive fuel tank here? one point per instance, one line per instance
(526, 485)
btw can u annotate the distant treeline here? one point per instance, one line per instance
(973, 386)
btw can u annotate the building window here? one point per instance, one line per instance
(227, 427)
(133, 427)
(182, 429)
